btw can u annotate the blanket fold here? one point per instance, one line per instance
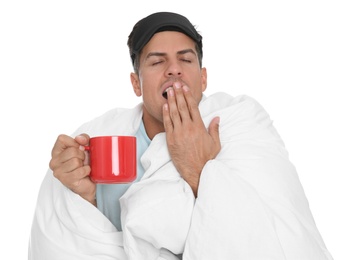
(164, 202)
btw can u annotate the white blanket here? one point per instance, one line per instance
(250, 202)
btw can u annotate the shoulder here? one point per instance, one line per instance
(115, 121)
(222, 101)
(241, 117)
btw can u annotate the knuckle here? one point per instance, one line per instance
(52, 164)
(174, 113)
(75, 154)
(181, 106)
(83, 171)
(75, 184)
(61, 137)
(193, 110)
(59, 175)
(76, 162)
(168, 126)
(193, 107)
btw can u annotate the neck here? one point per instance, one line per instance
(152, 125)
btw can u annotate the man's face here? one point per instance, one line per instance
(168, 57)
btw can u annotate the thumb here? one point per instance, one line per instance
(213, 129)
(82, 139)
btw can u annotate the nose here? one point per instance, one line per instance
(174, 69)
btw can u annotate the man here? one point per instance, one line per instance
(201, 193)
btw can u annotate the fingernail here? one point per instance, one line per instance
(177, 85)
(81, 137)
(186, 89)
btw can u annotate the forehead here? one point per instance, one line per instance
(168, 41)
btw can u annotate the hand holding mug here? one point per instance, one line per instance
(67, 164)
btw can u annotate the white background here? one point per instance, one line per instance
(65, 62)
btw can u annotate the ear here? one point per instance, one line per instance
(204, 79)
(135, 82)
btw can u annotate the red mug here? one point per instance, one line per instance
(112, 159)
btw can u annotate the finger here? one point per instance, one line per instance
(213, 130)
(168, 124)
(172, 108)
(79, 173)
(62, 143)
(181, 102)
(70, 161)
(83, 139)
(87, 158)
(192, 105)
(64, 160)
(72, 179)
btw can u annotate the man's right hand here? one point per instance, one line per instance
(69, 164)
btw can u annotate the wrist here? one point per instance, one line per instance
(193, 181)
(91, 198)
(93, 201)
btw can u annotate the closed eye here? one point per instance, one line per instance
(156, 62)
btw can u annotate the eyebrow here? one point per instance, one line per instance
(161, 54)
(186, 51)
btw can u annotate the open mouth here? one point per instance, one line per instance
(165, 93)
